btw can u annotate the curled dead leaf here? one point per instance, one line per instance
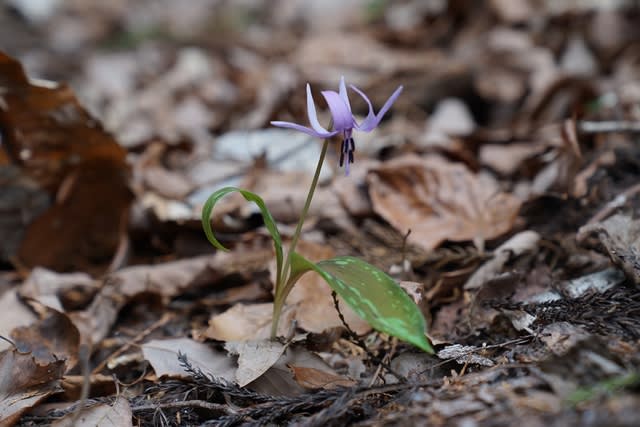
(24, 382)
(56, 143)
(52, 338)
(439, 200)
(313, 379)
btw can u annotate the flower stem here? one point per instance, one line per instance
(282, 281)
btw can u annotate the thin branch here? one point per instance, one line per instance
(200, 404)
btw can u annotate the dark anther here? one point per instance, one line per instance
(348, 147)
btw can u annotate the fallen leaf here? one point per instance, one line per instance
(279, 380)
(244, 322)
(313, 379)
(254, 358)
(526, 241)
(352, 189)
(101, 385)
(438, 200)
(59, 290)
(24, 382)
(21, 201)
(163, 357)
(166, 279)
(118, 414)
(507, 159)
(57, 144)
(464, 354)
(52, 338)
(170, 278)
(620, 236)
(414, 366)
(560, 337)
(167, 183)
(14, 314)
(451, 118)
(285, 195)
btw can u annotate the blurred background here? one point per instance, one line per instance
(187, 89)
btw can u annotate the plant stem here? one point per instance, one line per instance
(281, 281)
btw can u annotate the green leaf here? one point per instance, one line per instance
(269, 222)
(372, 294)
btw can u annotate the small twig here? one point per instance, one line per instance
(352, 334)
(617, 202)
(9, 341)
(361, 343)
(608, 126)
(200, 404)
(84, 354)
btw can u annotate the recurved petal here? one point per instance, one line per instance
(372, 120)
(369, 122)
(311, 112)
(389, 103)
(304, 129)
(342, 117)
(343, 93)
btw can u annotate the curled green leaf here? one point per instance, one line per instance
(269, 222)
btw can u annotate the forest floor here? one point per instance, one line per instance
(500, 190)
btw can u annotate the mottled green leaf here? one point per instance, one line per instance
(372, 294)
(269, 222)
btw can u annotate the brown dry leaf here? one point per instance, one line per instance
(163, 357)
(451, 118)
(167, 183)
(21, 201)
(117, 414)
(170, 278)
(52, 338)
(254, 358)
(559, 174)
(508, 159)
(526, 241)
(285, 194)
(24, 382)
(59, 290)
(352, 189)
(278, 379)
(311, 296)
(439, 200)
(101, 385)
(313, 379)
(560, 337)
(60, 146)
(620, 236)
(415, 367)
(512, 11)
(244, 322)
(427, 75)
(14, 314)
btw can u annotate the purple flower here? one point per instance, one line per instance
(343, 120)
